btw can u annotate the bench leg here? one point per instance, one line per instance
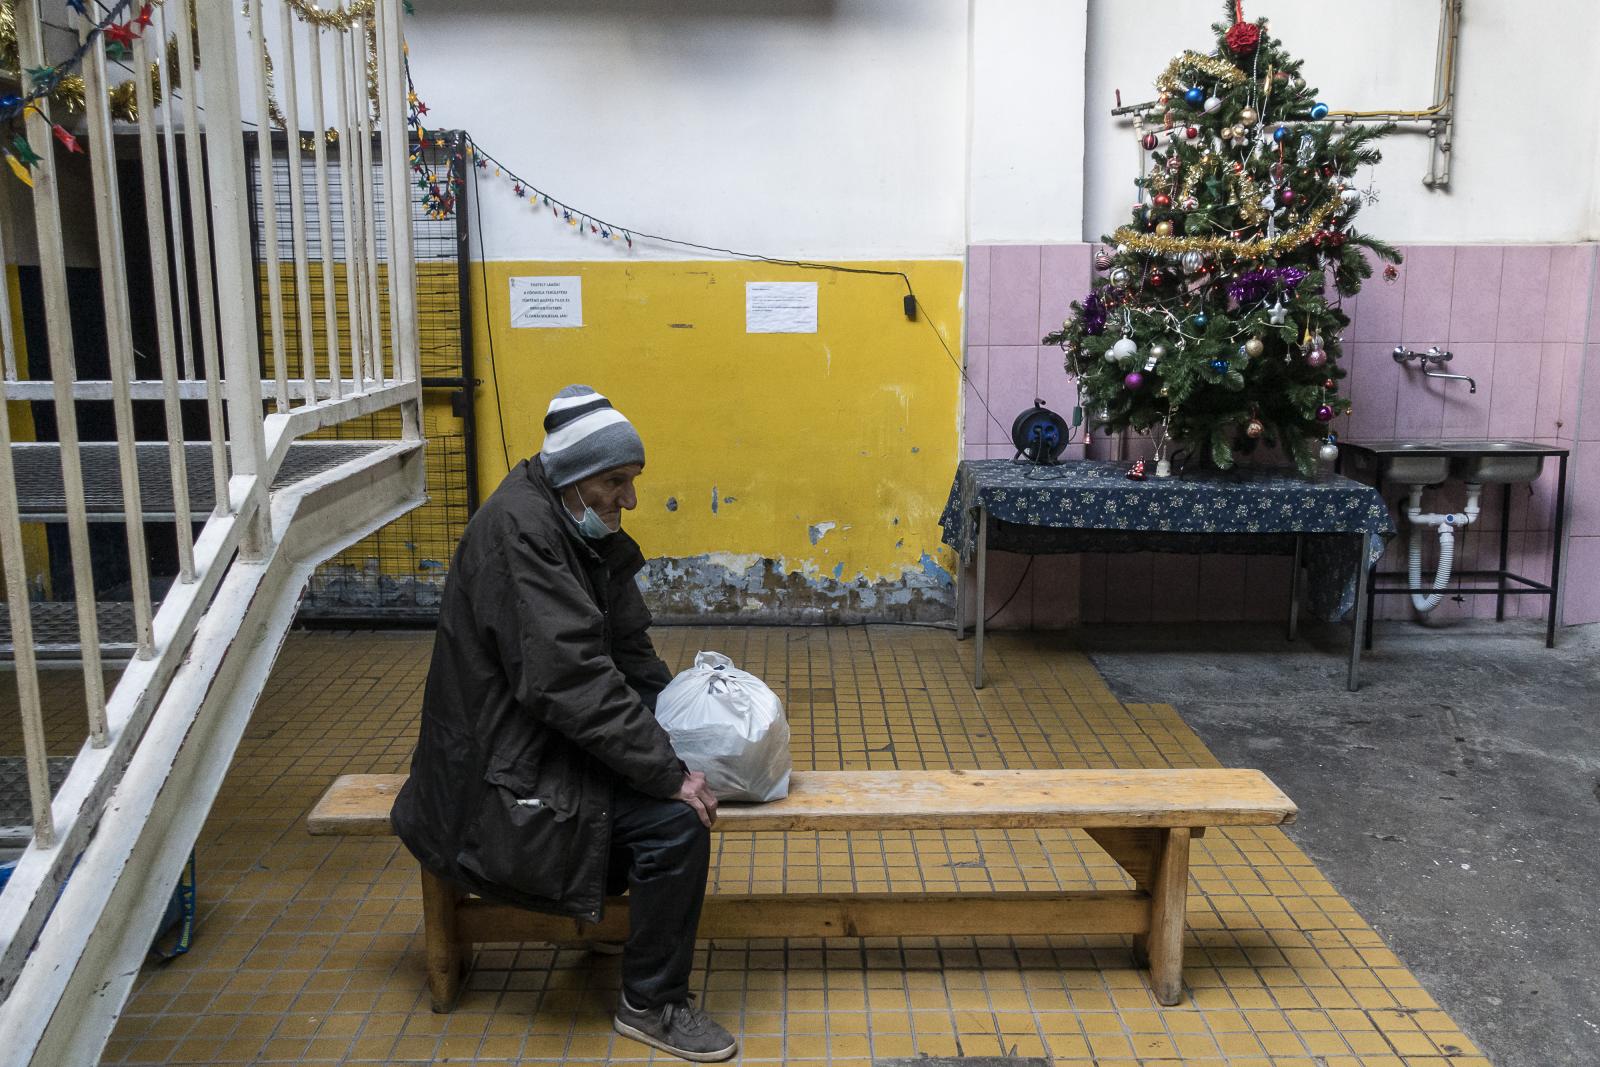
(447, 964)
(1162, 947)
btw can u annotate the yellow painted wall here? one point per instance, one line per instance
(856, 425)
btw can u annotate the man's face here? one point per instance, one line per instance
(609, 493)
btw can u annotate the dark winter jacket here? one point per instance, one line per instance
(539, 699)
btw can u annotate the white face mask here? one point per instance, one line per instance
(591, 526)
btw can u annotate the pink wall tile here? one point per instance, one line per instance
(1014, 295)
(1128, 586)
(1058, 391)
(1552, 378)
(1583, 372)
(1559, 293)
(1582, 599)
(977, 388)
(1222, 587)
(1063, 277)
(1467, 414)
(978, 295)
(1381, 305)
(1524, 286)
(1175, 585)
(1266, 596)
(1056, 591)
(1005, 572)
(1013, 385)
(1517, 367)
(1092, 584)
(1475, 304)
(1578, 307)
(1425, 314)
(1583, 490)
(1420, 410)
(1374, 396)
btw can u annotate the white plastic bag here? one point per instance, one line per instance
(726, 723)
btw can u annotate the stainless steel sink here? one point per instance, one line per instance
(1501, 462)
(1401, 462)
(1431, 462)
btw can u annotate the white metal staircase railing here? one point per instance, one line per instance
(86, 895)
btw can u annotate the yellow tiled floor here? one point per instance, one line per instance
(309, 950)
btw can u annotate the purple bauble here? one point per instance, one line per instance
(1324, 414)
(1316, 357)
(1286, 195)
(1134, 380)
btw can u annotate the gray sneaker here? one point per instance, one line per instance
(681, 1029)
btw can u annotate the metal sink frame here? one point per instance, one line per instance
(1499, 462)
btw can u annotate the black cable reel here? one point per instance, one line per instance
(1040, 435)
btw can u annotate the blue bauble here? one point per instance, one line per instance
(1281, 133)
(1200, 320)
(1195, 97)
(1319, 110)
(1220, 366)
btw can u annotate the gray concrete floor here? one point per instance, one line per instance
(1454, 799)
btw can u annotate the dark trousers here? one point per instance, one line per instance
(661, 853)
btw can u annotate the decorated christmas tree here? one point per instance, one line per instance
(1214, 320)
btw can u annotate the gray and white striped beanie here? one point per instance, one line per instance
(584, 435)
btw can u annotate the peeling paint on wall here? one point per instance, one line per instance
(820, 530)
(736, 586)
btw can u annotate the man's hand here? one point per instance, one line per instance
(695, 793)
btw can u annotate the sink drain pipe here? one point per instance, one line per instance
(1447, 523)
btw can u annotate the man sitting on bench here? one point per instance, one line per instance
(541, 777)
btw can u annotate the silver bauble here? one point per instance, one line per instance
(1212, 103)
(1125, 348)
(1102, 259)
(1329, 452)
(1120, 276)
(1193, 262)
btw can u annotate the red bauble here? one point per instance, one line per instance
(1149, 141)
(1157, 278)
(1329, 384)
(1327, 170)
(1162, 200)
(1317, 239)
(1238, 168)
(1191, 133)
(1243, 38)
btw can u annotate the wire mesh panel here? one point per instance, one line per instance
(396, 575)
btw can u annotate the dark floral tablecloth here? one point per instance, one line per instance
(1092, 506)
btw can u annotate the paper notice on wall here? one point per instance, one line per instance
(780, 307)
(546, 301)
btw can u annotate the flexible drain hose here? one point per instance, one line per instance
(1426, 602)
(1447, 523)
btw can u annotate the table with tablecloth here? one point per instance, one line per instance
(1335, 527)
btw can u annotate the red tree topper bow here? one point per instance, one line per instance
(1244, 36)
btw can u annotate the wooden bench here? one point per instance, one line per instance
(1143, 818)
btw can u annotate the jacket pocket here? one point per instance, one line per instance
(522, 838)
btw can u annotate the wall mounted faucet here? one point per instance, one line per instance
(1433, 357)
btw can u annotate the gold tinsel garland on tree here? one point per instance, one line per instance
(1220, 70)
(1148, 243)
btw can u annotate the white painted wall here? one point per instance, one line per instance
(1025, 123)
(1526, 146)
(799, 128)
